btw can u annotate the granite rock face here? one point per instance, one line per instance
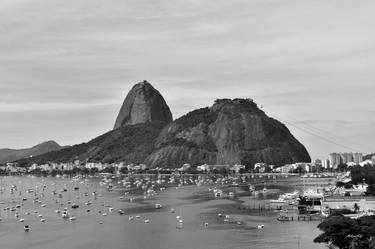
(227, 133)
(143, 104)
(230, 132)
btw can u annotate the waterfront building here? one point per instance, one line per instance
(364, 203)
(185, 167)
(260, 165)
(373, 160)
(203, 167)
(286, 168)
(237, 168)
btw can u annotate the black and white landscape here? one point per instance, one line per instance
(187, 124)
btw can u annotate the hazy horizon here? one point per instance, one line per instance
(66, 66)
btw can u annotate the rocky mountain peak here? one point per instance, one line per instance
(143, 104)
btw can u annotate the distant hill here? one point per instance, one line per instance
(368, 157)
(232, 131)
(10, 155)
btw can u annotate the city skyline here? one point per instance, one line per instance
(66, 66)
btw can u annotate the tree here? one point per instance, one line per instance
(124, 170)
(346, 233)
(356, 207)
(340, 184)
(298, 170)
(342, 167)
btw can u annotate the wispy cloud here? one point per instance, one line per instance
(300, 59)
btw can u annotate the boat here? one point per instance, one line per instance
(278, 201)
(284, 218)
(260, 226)
(26, 228)
(312, 194)
(65, 214)
(218, 193)
(158, 206)
(290, 196)
(234, 185)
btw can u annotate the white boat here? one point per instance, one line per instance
(65, 214)
(218, 193)
(313, 194)
(290, 196)
(278, 201)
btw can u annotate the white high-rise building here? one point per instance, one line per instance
(325, 164)
(336, 159)
(358, 158)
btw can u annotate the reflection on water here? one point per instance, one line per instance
(203, 224)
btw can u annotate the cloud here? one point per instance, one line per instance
(309, 60)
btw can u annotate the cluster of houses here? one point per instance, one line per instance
(205, 168)
(13, 168)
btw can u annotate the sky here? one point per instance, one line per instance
(67, 65)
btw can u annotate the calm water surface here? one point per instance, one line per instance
(92, 230)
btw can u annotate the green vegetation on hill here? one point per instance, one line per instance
(193, 118)
(203, 116)
(129, 144)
